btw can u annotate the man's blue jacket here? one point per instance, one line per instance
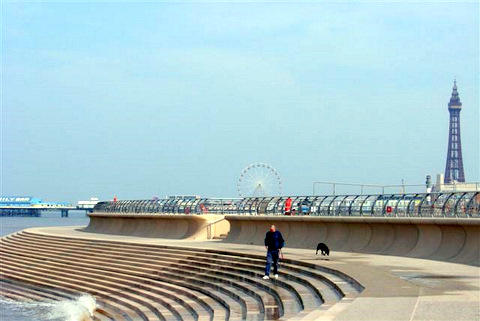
(274, 240)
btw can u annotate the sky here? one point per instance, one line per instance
(152, 99)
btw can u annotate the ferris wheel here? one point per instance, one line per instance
(259, 180)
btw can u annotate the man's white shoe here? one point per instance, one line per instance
(276, 276)
(266, 277)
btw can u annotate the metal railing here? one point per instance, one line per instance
(456, 204)
(171, 206)
(400, 188)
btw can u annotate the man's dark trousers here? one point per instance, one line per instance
(272, 257)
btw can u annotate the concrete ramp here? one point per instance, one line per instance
(169, 226)
(445, 239)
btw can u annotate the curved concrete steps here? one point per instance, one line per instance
(151, 282)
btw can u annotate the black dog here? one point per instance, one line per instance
(324, 248)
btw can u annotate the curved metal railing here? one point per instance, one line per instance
(451, 204)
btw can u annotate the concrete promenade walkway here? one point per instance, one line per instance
(396, 288)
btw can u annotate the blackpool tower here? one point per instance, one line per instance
(454, 168)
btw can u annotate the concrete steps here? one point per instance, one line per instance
(152, 282)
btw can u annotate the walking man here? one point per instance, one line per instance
(273, 244)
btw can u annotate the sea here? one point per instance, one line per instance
(77, 309)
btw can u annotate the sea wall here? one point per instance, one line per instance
(170, 226)
(445, 239)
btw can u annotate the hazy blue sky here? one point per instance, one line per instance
(137, 100)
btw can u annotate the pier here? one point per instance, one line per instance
(32, 206)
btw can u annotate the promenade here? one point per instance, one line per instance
(396, 257)
(395, 288)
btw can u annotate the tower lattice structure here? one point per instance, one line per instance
(454, 168)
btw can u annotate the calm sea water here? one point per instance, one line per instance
(61, 311)
(10, 225)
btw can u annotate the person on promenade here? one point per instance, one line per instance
(274, 243)
(288, 206)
